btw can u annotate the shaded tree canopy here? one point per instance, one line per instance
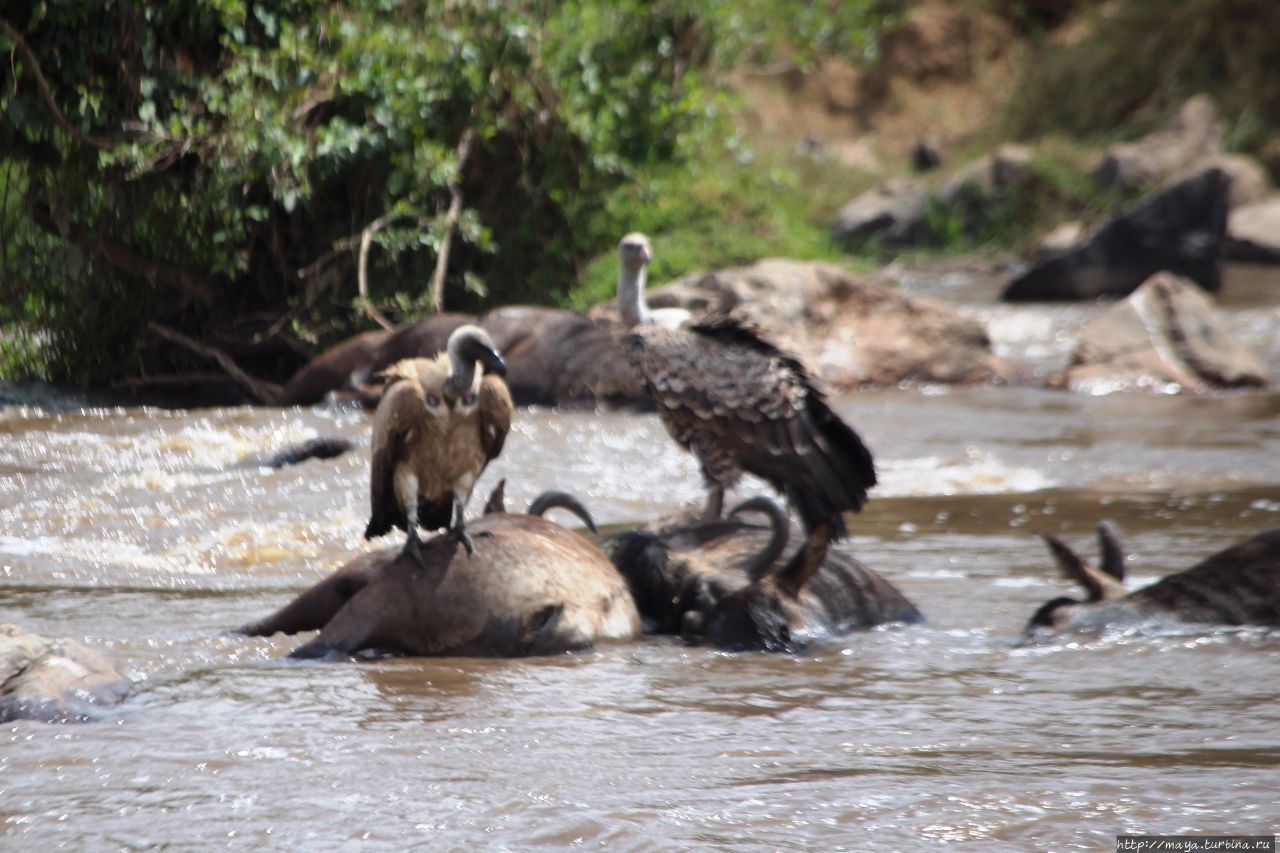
(213, 167)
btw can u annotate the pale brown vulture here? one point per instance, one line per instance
(739, 403)
(438, 424)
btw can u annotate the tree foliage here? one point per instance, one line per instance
(212, 166)
(1139, 60)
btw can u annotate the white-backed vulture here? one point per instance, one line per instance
(739, 403)
(438, 424)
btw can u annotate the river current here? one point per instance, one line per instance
(138, 532)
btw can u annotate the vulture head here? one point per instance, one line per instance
(634, 255)
(467, 345)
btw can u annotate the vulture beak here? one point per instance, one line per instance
(488, 356)
(635, 251)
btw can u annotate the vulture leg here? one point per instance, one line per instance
(715, 503)
(459, 530)
(413, 546)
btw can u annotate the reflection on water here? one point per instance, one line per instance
(135, 531)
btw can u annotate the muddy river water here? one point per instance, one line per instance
(135, 531)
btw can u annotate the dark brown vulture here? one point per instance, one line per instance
(436, 427)
(738, 403)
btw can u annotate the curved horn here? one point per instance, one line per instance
(1099, 585)
(497, 499)
(563, 500)
(1111, 549)
(780, 526)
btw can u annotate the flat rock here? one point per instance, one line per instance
(1253, 233)
(53, 679)
(1248, 179)
(1196, 132)
(893, 212)
(1167, 337)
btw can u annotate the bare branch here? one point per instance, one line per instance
(450, 222)
(263, 391)
(20, 44)
(346, 244)
(362, 277)
(168, 379)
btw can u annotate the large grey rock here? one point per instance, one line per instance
(1196, 132)
(53, 680)
(1253, 233)
(893, 212)
(853, 332)
(989, 178)
(971, 194)
(1179, 229)
(1167, 336)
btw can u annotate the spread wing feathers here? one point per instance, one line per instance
(402, 406)
(718, 383)
(495, 408)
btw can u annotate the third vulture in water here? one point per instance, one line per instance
(436, 428)
(739, 403)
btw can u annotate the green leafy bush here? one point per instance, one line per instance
(214, 167)
(1143, 58)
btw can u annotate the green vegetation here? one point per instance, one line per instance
(716, 211)
(212, 168)
(1143, 58)
(1056, 189)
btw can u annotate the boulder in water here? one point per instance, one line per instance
(55, 680)
(1167, 337)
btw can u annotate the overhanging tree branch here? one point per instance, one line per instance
(450, 222)
(362, 271)
(263, 391)
(46, 93)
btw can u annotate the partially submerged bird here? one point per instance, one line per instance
(438, 424)
(739, 403)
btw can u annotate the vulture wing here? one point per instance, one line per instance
(401, 408)
(724, 390)
(495, 408)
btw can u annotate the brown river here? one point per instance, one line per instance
(136, 532)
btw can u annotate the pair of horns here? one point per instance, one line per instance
(1102, 583)
(551, 499)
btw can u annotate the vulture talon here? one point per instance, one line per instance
(413, 547)
(461, 535)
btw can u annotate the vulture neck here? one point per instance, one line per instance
(631, 305)
(462, 371)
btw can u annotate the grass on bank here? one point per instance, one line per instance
(1139, 60)
(722, 211)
